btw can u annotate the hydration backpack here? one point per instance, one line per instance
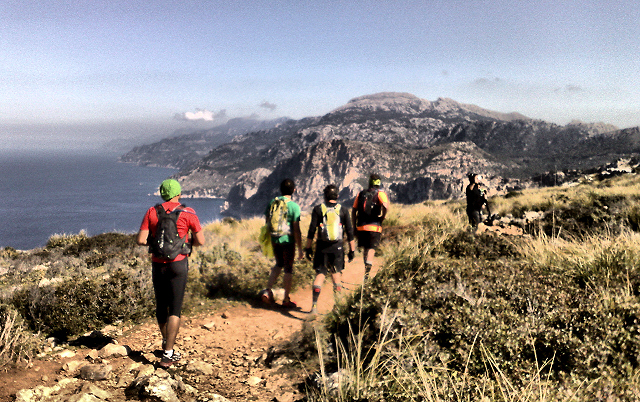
(330, 227)
(166, 243)
(368, 207)
(279, 218)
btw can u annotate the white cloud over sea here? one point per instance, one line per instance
(202, 115)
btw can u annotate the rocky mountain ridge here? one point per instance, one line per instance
(186, 149)
(422, 149)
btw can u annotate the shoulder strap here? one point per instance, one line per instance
(324, 208)
(159, 210)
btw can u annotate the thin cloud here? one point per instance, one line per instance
(268, 105)
(573, 88)
(201, 115)
(486, 82)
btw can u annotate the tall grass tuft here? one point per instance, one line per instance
(17, 343)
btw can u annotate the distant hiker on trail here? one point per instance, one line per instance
(332, 222)
(369, 210)
(283, 219)
(170, 230)
(476, 199)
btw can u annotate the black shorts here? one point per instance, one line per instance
(368, 240)
(329, 260)
(285, 255)
(475, 217)
(169, 283)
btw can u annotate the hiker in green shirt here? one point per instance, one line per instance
(283, 219)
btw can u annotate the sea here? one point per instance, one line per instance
(54, 193)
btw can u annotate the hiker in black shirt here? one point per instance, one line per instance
(476, 199)
(332, 221)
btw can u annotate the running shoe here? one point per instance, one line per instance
(289, 304)
(266, 296)
(168, 361)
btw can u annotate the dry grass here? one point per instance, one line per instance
(17, 344)
(599, 264)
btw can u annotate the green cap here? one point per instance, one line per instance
(169, 189)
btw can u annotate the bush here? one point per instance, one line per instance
(64, 240)
(489, 246)
(561, 322)
(79, 304)
(224, 272)
(106, 243)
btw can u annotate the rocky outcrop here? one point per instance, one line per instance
(409, 175)
(570, 177)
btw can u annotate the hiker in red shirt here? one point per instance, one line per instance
(170, 267)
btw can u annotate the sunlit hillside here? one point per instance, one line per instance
(551, 313)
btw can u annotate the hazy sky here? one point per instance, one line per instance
(92, 70)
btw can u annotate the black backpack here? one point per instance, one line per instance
(368, 207)
(166, 243)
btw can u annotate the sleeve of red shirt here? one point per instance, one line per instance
(146, 221)
(192, 220)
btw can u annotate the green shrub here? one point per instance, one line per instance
(224, 272)
(8, 253)
(64, 240)
(107, 243)
(561, 322)
(80, 304)
(487, 245)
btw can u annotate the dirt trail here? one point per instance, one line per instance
(235, 341)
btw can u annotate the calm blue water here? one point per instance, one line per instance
(42, 194)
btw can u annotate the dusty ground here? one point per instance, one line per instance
(234, 340)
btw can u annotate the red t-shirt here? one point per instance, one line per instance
(188, 220)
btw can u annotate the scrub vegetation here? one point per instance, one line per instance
(553, 314)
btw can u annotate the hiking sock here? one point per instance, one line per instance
(367, 269)
(316, 294)
(168, 353)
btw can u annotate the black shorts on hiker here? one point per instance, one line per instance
(169, 284)
(475, 217)
(368, 240)
(330, 260)
(285, 256)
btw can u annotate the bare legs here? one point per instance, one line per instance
(287, 281)
(169, 331)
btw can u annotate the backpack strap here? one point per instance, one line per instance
(324, 209)
(180, 208)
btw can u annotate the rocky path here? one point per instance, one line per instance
(229, 354)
